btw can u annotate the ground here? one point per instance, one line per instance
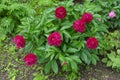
(12, 67)
(100, 72)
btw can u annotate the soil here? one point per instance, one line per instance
(100, 72)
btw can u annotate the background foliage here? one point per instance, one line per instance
(107, 6)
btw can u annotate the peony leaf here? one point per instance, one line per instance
(55, 66)
(72, 50)
(74, 66)
(67, 34)
(47, 67)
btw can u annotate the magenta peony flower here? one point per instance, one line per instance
(55, 39)
(30, 59)
(87, 17)
(92, 43)
(60, 12)
(79, 25)
(19, 41)
(112, 14)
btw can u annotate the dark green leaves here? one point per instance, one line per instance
(51, 65)
(89, 57)
(47, 67)
(54, 66)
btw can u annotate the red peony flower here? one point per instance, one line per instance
(60, 12)
(92, 43)
(55, 39)
(87, 17)
(30, 59)
(19, 41)
(79, 26)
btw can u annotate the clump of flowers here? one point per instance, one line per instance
(112, 14)
(30, 59)
(92, 43)
(19, 41)
(55, 39)
(60, 12)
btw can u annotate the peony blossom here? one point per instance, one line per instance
(60, 12)
(79, 25)
(30, 59)
(55, 39)
(112, 14)
(87, 17)
(19, 41)
(92, 43)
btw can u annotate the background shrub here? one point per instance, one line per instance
(107, 7)
(11, 14)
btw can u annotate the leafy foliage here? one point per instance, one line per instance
(11, 13)
(106, 7)
(40, 76)
(40, 5)
(111, 50)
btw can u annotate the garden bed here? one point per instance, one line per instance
(59, 40)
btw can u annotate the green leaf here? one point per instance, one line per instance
(104, 60)
(47, 67)
(61, 57)
(67, 34)
(40, 76)
(93, 60)
(109, 63)
(84, 57)
(102, 27)
(66, 25)
(75, 58)
(74, 66)
(52, 56)
(72, 50)
(64, 48)
(55, 66)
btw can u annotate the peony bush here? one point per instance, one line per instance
(64, 37)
